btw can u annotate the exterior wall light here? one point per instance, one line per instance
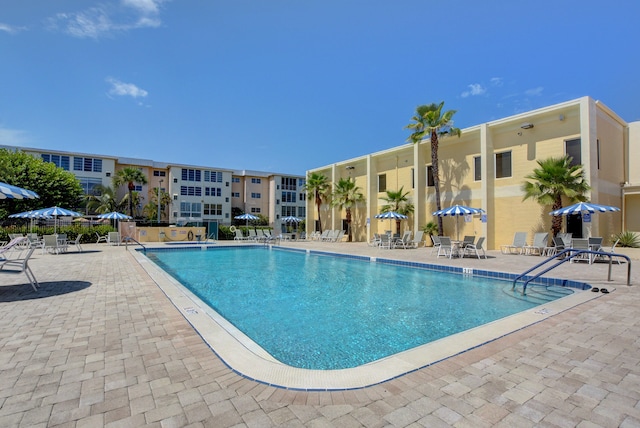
(527, 125)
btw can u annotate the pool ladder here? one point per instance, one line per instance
(569, 254)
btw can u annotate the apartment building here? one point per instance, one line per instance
(197, 193)
(485, 168)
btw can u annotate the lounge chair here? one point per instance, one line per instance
(558, 246)
(239, 236)
(468, 239)
(375, 241)
(405, 241)
(102, 238)
(446, 247)
(436, 243)
(517, 247)
(580, 244)
(76, 242)
(16, 243)
(253, 236)
(475, 248)
(539, 246)
(113, 238)
(386, 241)
(417, 239)
(612, 251)
(50, 244)
(19, 264)
(566, 238)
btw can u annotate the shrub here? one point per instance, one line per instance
(626, 239)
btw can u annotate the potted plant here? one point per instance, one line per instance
(430, 229)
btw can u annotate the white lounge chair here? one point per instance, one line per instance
(113, 238)
(239, 236)
(76, 242)
(517, 247)
(580, 244)
(50, 244)
(102, 238)
(446, 247)
(539, 246)
(19, 264)
(417, 239)
(475, 248)
(405, 241)
(436, 243)
(15, 243)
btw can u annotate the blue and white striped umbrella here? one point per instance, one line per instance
(57, 212)
(15, 192)
(246, 216)
(457, 210)
(583, 208)
(29, 214)
(114, 215)
(391, 215)
(291, 219)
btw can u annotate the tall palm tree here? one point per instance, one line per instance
(129, 176)
(430, 121)
(103, 200)
(397, 201)
(317, 186)
(554, 179)
(347, 195)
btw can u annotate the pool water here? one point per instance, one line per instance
(322, 312)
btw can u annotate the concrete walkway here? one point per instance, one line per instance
(101, 345)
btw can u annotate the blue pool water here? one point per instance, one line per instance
(321, 312)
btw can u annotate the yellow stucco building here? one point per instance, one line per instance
(485, 168)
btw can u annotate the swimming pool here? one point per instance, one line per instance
(317, 312)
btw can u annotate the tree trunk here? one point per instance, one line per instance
(318, 203)
(436, 177)
(556, 222)
(349, 239)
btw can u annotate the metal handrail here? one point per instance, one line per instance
(572, 253)
(126, 240)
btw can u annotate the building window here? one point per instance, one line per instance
(212, 191)
(190, 209)
(430, 182)
(598, 153)
(235, 179)
(288, 196)
(89, 185)
(255, 210)
(235, 194)
(87, 164)
(288, 211)
(256, 180)
(191, 174)
(477, 168)
(213, 176)
(572, 148)
(289, 183)
(256, 195)
(213, 209)
(190, 191)
(302, 212)
(57, 160)
(382, 183)
(159, 173)
(302, 196)
(503, 165)
(137, 188)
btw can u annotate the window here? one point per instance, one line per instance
(191, 174)
(213, 209)
(137, 188)
(90, 185)
(430, 182)
(235, 179)
(213, 176)
(159, 173)
(255, 210)
(255, 195)
(598, 153)
(302, 196)
(190, 191)
(503, 165)
(477, 168)
(190, 209)
(57, 160)
(256, 180)
(302, 212)
(288, 196)
(382, 183)
(235, 194)
(87, 164)
(413, 178)
(288, 211)
(289, 183)
(212, 191)
(572, 148)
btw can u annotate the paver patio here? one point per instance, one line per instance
(101, 345)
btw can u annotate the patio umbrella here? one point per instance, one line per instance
(391, 215)
(583, 208)
(15, 192)
(247, 217)
(55, 212)
(114, 215)
(291, 219)
(457, 211)
(31, 215)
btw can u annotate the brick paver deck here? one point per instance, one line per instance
(101, 345)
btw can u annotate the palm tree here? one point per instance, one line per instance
(345, 196)
(129, 176)
(554, 179)
(430, 121)
(397, 201)
(103, 200)
(317, 186)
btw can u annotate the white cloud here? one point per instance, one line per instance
(474, 89)
(497, 81)
(109, 18)
(122, 89)
(534, 92)
(13, 137)
(11, 29)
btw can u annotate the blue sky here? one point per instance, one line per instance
(286, 86)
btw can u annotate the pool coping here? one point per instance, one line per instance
(248, 359)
